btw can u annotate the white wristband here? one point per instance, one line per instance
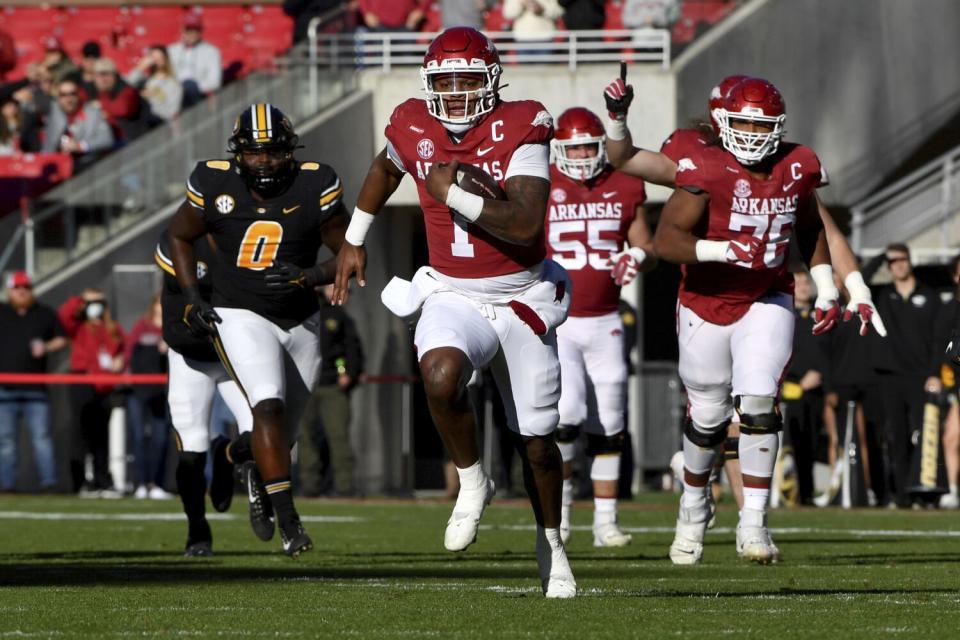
(638, 254)
(468, 205)
(712, 250)
(359, 225)
(856, 287)
(822, 276)
(616, 129)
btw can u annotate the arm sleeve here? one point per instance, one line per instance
(530, 160)
(68, 315)
(100, 135)
(211, 76)
(332, 194)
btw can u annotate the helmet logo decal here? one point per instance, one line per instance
(425, 148)
(225, 203)
(741, 188)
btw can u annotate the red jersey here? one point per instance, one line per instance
(741, 206)
(458, 248)
(683, 143)
(585, 224)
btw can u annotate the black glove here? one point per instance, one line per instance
(953, 348)
(199, 315)
(285, 277)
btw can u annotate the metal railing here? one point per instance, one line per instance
(573, 48)
(910, 206)
(133, 182)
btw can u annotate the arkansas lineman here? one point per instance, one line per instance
(488, 298)
(596, 230)
(729, 223)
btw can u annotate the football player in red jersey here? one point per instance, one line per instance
(489, 298)
(596, 230)
(729, 223)
(660, 168)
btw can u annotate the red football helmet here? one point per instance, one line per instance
(461, 50)
(579, 127)
(718, 93)
(755, 101)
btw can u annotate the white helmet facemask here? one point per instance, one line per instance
(750, 147)
(579, 168)
(477, 102)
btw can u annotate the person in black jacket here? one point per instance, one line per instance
(584, 14)
(803, 389)
(303, 11)
(907, 361)
(947, 322)
(324, 440)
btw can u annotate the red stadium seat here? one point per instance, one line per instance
(433, 20)
(26, 175)
(614, 15)
(494, 20)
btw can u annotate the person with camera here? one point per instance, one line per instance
(98, 347)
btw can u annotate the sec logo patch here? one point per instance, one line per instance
(741, 188)
(425, 148)
(202, 270)
(224, 203)
(558, 195)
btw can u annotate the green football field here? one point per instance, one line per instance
(95, 568)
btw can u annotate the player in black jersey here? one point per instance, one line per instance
(268, 215)
(196, 374)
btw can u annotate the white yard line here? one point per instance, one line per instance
(877, 533)
(144, 517)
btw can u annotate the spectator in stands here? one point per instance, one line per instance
(146, 352)
(57, 61)
(908, 362)
(580, 15)
(802, 388)
(8, 54)
(947, 320)
(89, 56)
(393, 15)
(533, 19)
(76, 127)
(126, 111)
(327, 414)
(464, 13)
(98, 344)
(650, 14)
(196, 63)
(28, 332)
(11, 125)
(154, 78)
(303, 11)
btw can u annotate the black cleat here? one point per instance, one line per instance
(200, 549)
(221, 486)
(261, 509)
(295, 540)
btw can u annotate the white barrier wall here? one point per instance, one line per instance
(652, 117)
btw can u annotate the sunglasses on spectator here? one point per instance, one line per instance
(63, 94)
(893, 259)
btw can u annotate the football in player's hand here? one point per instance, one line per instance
(476, 181)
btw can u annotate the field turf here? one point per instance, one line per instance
(73, 568)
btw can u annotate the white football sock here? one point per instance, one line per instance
(472, 477)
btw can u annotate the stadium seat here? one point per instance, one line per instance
(29, 175)
(494, 20)
(614, 15)
(433, 20)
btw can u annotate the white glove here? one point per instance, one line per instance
(826, 309)
(861, 305)
(626, 264)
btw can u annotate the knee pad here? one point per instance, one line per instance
(708, 437)
(731, 449)
(759, 415)
(598, 445)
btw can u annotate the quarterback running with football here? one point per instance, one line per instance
(729, 223)
(596, 229)
(489, 298)
(267, 214)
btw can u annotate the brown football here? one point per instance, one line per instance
(476, 181)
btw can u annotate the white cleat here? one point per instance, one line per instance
(949, 501)
(609, 534)
(687, 547)
(753, 538)
(556, 578)
(462, 526)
